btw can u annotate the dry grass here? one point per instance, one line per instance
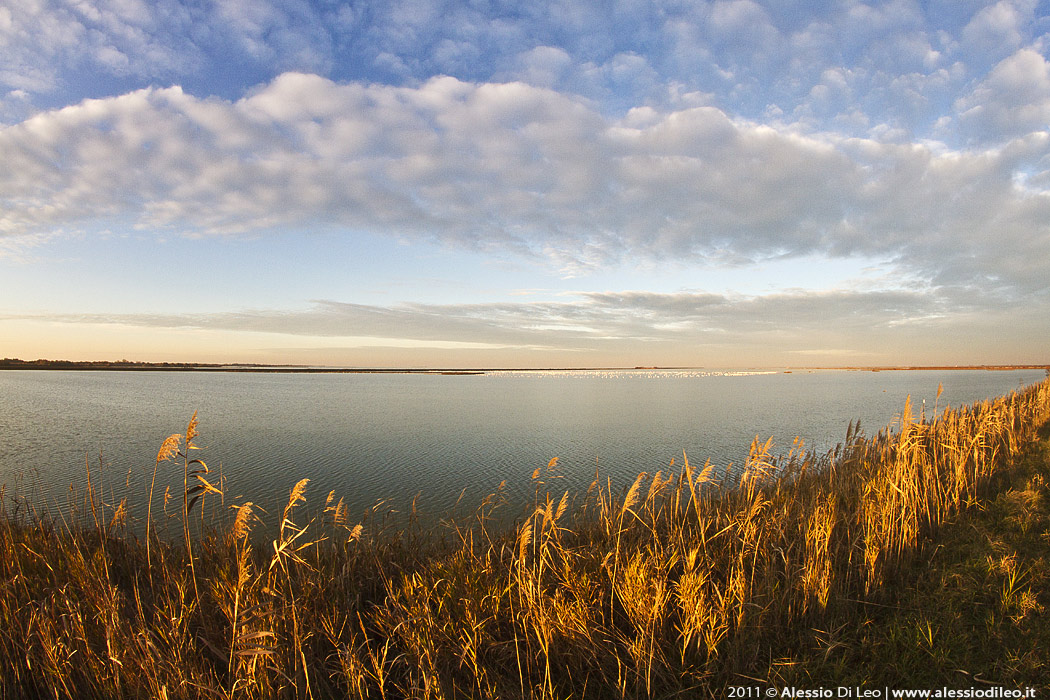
(684, 584)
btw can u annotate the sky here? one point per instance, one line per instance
(480, 183)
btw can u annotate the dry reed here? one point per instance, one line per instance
(683, 584)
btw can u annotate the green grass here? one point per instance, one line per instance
(968, 610)
(912, 558)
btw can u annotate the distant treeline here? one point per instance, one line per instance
(244, 367)
(14, 363)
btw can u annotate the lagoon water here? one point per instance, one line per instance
(389, 437)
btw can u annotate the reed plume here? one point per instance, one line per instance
(677, 585)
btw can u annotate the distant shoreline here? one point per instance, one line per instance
(127, 366)
(908, 368)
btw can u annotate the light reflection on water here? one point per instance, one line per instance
(370, 437)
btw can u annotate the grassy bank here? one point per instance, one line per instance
(916, 558)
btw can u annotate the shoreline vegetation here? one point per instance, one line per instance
(9, 363)
(918, 557)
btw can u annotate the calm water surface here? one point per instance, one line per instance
(372, 437)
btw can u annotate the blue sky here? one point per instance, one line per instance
(427, 184)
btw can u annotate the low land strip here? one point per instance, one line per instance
(9, 363)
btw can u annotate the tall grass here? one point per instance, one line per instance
(684, 583)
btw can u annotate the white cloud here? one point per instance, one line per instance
(289, 35)
(581, 135)
(1013, 99)
(743, 55)
(49, 47)
(997, 29)
(741, 20)
(515, 168)
(544, 66)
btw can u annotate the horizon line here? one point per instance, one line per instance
(131, 365)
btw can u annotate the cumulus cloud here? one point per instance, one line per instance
(545, 66)
(583, 136)
(903, 63)
(42, 40)
(515, 168)
(67, 46)
(289, 35)
(1013, 99)
(998, 28)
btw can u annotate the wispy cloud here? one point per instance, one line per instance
(595, 321)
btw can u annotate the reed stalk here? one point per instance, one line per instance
(677, 586)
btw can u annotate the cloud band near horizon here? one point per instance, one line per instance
(688, 328)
